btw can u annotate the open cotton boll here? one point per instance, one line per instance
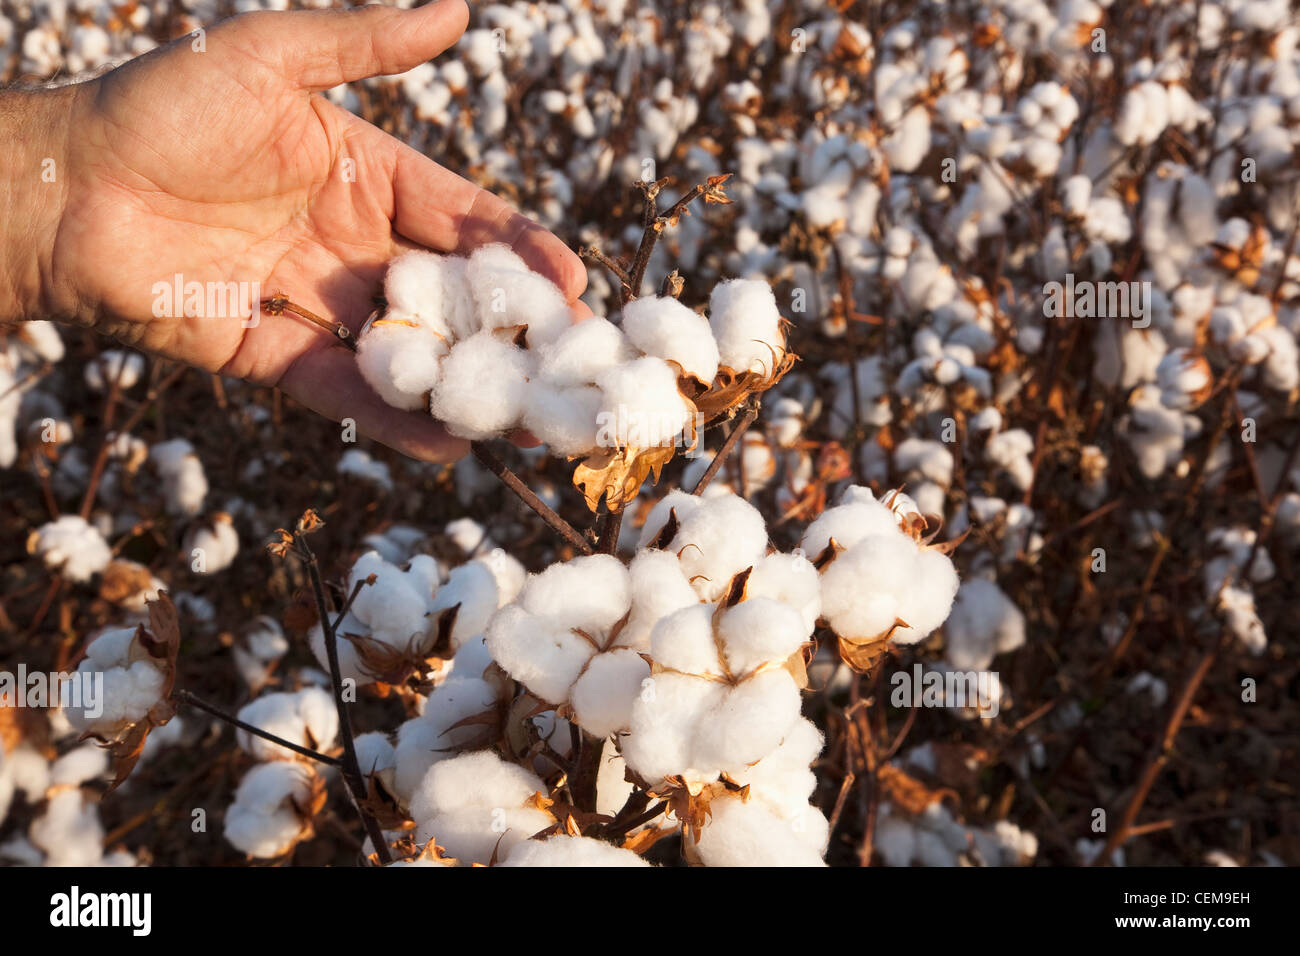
(858, 518)
(114, 365)
(752, 833)
(590, 593)
(69, 831)
(375, 753)
(664, 722)
(601, 698)
(474, 591)
(307, 718)
(269, 813)
(423, 287)
(211, 546)
(475, 804)
(663, 327)
(884, 579)
(791, 579)
(684, 641)
(565, 419)
(401, 361)
(433, 736)
(657, 587)
(984, 622)
(718, 541)
(1010, 451)
(759, 630)
(747, 325)
(132, 685)
(508, 294)
(184, 483)
(641, 405)
(583, 352)
(483, 387)
(78, 766)
(562, 850)
(544, 656)
(746, 724)
(71, 546)
(676, 502)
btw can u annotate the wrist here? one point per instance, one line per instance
(34, 188)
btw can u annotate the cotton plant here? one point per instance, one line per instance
(274, 808)
(71, 546)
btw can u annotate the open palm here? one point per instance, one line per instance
(226, 165)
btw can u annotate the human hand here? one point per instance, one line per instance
(227, 166)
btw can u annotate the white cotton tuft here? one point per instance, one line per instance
(641, 405)
(583, 352)
(562, 850)
(747, 325)
(483, 387)
(507, 294)
(267, 817)
(72, 546)
(565, 419)
(307, 718)
(401, 361)
(663, 327)
(984, 622)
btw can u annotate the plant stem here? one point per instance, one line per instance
(544, 511)
(746, 419)
(194, 701)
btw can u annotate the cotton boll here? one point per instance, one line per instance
(508, 294)
(544, 656)
(984, 622)
(677, 502)
(602, 698)
(791, 579)
(401, 360)
(71, 546)
(717, 542)
(114, 365)
(69, 831)
(847, 524)
(583, 352)
(475, 593)
(760, 630)
(747, 724)
(747, 325)
(663, 327)
(566, 851)
(657, 587)
(885, 579)
(1010, 451)
(740, 833)
(684, 641)
(433, 736)
(211, 546)
(422, 286)
(267, 817)
(79, 766)
(184, 482)
(664, 721)
(307, 718)
(641, 405)
(483, 387)
(565, 419)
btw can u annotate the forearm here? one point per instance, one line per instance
(34, 188)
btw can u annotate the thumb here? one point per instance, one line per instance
(319, 49)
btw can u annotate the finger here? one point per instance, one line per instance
(435, 207)
(319, 49)
(327, 381)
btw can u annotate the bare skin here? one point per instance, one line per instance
(228, 166)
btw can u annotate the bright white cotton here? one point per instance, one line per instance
(583, 352)
(483, 387)
(641, 405)
(663, 327)
(984, 622)
(747, 325)
(72, 546)
(402, 361)
(211, 546)
(507, 294)
(132, 685)
(476, 806)
(308, 718)
(269, 813)
(185, 485)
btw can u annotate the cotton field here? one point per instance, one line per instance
(879, 446)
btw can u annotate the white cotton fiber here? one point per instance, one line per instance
(434, 736)
(759, 630)
(71, 546)
(473, 590)
(750, 833)
(883, 579)
(508, 294)
(718, 541)
(791, 579)
(568, 851)
(676, 502)
(307, 718)
(847, 524)
(69, 831)
(401, 361)
(664, 722)
(544, 656)
(658, 587)
(265, 819)
(420, 287)
(984, 622)
(184, 483)
(565, 419)
(590, 593)
(747, 325)
(663, 327)
(747, 723)
(583, 352)
(602, 698)
(132, 683)
(483, 387)
(685, 641)
(641, 404)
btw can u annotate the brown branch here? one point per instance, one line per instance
(279, 304)
(544, 511)
(746, 419)
(186, 697)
